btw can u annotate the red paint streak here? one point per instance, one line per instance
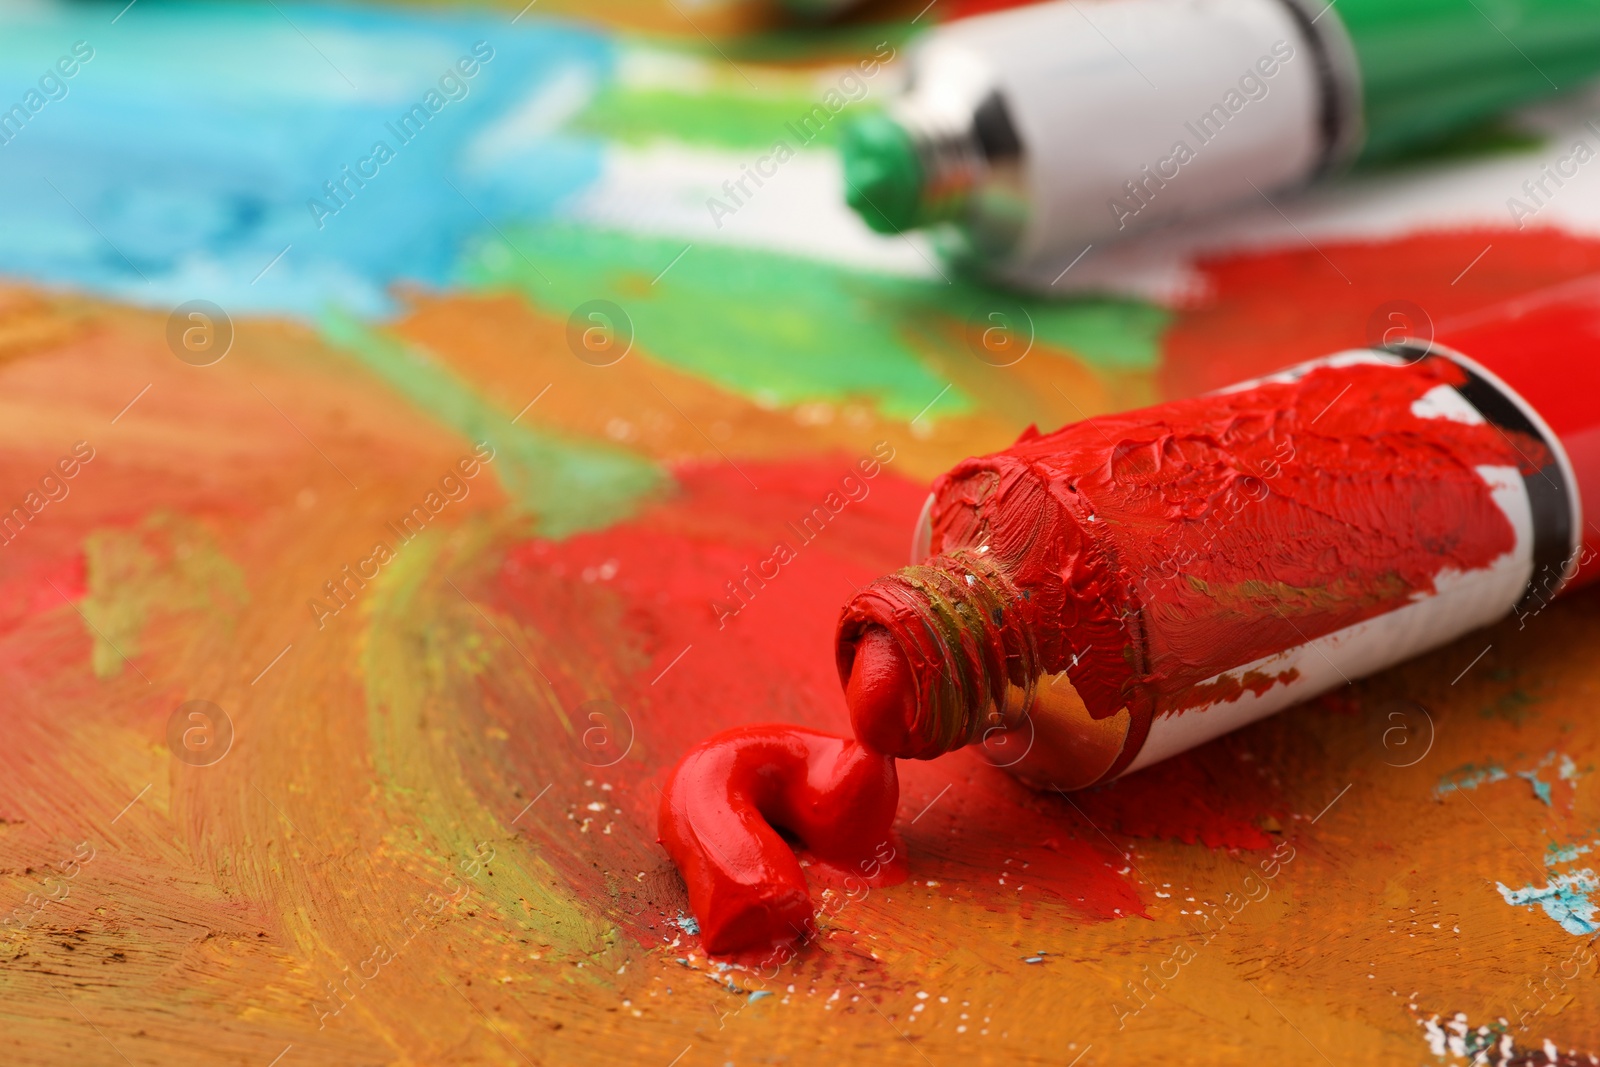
(1224, 791)
(35, 584)
(968, 8)
(1154, 550)
(727, 799)
(992, 841)
(1265, 310)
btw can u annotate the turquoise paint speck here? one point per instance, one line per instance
(1565, 899)
(1470, 777)
(1566, 770)
(1541, 788)
(1555, 854)
(758, 994)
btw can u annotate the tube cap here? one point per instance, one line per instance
(882, 174)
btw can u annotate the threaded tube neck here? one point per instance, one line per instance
(958, 621)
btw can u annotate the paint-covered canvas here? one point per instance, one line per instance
(421, 426)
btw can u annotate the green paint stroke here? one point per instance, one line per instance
(166, 566)
(1106, 333)
(424, 651)
(569, 486)
(697, 98)
(717, 118)
(783, 330)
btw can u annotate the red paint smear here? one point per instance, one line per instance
(1221, 800)
(36, 583)
(988, 826)
(35, 574)
(717, 819)
(967, 8)
(612, 637)
(1263, 311)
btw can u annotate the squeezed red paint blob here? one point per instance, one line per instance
(881, 694)
(728, 798)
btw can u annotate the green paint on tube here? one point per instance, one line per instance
(1501, 135)
(784, 330)
(979, 145)
(1430, 67)
(569, 486)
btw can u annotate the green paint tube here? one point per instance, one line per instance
(1031, 134)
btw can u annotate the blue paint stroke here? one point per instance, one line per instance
(1566, 770)
(1557, 854)
(1541, 788)
(181, 158)
(758, 994)
(1470, 777)
(688, 924)
(1565, 900)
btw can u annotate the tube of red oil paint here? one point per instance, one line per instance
(1091, 601)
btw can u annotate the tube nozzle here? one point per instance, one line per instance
(882, 174)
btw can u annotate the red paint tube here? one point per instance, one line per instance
(1091, 601)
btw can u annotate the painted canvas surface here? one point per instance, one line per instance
(402, 410)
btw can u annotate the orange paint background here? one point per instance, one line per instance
(429, 838)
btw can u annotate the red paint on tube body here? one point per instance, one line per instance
(1129, 550)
